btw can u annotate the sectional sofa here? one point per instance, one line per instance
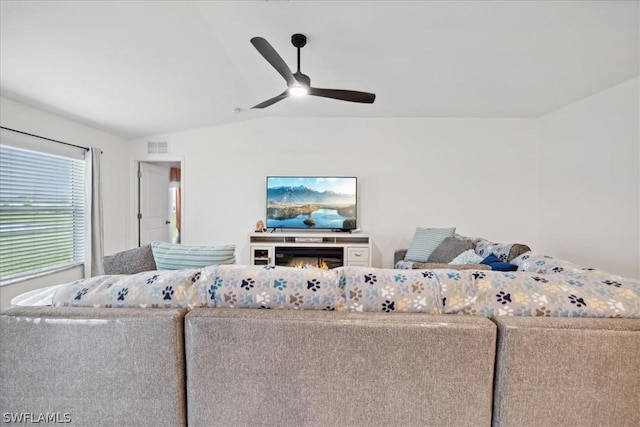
(235, 345)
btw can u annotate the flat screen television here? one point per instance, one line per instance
(312, 202)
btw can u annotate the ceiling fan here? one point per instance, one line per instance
(299, 84)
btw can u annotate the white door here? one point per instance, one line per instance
(154, 203)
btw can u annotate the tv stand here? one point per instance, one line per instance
(356, 247)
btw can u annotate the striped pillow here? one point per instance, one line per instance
(170, 256)
(425, 241)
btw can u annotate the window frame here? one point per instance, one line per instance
(15, 139)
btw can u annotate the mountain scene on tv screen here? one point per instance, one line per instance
(304, 207)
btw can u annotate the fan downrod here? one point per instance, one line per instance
(298, 40)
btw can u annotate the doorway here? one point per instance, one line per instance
(158, 201)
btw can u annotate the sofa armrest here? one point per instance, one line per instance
(399, 255)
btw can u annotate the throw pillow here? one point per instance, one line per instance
(467, 257)
(425, 241)
(170, 256)
(132, 261)
(449, 249)
(495, 264)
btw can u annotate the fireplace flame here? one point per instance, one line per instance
(320, 264)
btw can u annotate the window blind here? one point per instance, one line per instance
(42, 212)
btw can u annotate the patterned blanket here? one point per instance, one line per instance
(542, 286)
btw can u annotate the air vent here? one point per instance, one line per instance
(157, 147)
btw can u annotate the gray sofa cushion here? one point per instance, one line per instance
(132, 261)
(449, 249)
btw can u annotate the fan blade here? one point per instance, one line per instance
(344, 95)
(273, 100)
(270, 54)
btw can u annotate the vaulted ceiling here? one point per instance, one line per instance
(149, 67)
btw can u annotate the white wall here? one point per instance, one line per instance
(476, 174)
(115, 159)
(589, 181)
(567, 184)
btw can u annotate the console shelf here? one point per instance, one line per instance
(356, 248)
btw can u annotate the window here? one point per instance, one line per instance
(42, 212)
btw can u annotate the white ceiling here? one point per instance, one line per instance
(149, 67)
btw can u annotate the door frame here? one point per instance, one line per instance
(133, 193)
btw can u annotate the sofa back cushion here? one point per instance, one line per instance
(314, 368)
(449, 249)
(102, 368)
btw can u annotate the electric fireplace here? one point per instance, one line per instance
(309, 256)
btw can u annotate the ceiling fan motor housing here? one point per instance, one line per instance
(299, 40)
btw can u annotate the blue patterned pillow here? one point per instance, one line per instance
(425, 241)
(170, 256)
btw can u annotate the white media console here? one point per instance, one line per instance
(308, 248)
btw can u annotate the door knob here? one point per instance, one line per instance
(167, 222)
